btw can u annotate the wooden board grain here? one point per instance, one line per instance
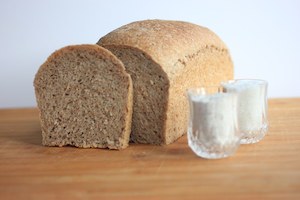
(267, 170)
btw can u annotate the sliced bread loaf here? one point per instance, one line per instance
(85, 98)
(164, 58)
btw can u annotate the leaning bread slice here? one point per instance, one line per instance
(85, 98)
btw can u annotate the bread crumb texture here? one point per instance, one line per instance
(84, 96)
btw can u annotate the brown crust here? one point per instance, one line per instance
(180, 40)
(106, 54)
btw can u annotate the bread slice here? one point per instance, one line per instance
(164, 58)
(85, 98)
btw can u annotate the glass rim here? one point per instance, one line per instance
(201, 90)
(258, 81)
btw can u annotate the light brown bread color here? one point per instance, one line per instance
(85, 98)
(164, 58)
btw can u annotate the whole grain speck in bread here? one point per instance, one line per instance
(164, 58)
(85, 98)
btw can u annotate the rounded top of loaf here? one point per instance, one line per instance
(71, 49)
(166, 42)
(91, 48)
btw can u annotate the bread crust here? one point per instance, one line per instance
(166, 42)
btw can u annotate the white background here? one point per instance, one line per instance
(263, 36)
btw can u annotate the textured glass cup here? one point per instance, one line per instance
(252, 107)
(212, 126)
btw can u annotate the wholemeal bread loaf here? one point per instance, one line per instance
(85, 98)
(164, 58)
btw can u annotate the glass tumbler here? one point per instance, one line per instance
(252, 107)
(212, 126)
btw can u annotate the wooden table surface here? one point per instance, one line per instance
(269, 169)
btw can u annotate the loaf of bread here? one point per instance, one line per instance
(84, 96)
(164, 58)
